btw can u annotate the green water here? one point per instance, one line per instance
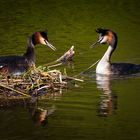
(77, 113)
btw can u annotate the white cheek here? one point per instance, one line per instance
(104, 40)
(42, 41)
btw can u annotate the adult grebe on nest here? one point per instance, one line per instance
(19, 64)
(104, 66)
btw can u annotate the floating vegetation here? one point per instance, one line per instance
(33, 83)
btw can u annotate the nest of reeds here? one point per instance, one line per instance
(32, 83)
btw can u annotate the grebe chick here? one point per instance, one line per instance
(104, 66)
(19, 64)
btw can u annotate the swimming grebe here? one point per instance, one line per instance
(20, 64)
(105, 66)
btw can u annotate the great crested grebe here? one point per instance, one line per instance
(19, 64)
(104, 66)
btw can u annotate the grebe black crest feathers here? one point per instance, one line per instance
(101, 31)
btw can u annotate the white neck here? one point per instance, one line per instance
(103, 66)
(107, 55)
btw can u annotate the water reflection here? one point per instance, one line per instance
(108, 99)
(39, 115)
(35, 108)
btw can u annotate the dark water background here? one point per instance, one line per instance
(77, 113)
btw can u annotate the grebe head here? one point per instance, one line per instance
(105, 36)
(41, 38)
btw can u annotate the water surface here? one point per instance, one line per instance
(89, 110)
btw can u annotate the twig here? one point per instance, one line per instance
(17, 91)
(55, 65)
(65, 57)
(91, 66)
(88, 68)
(44, 87)
(73, 78)
(49, 64)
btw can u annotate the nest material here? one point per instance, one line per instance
(67, 56)
(32, 83)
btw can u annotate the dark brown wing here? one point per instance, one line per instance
(125, 68)
(13, 64)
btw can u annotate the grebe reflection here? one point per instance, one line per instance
(40, 115)
(108, 99)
